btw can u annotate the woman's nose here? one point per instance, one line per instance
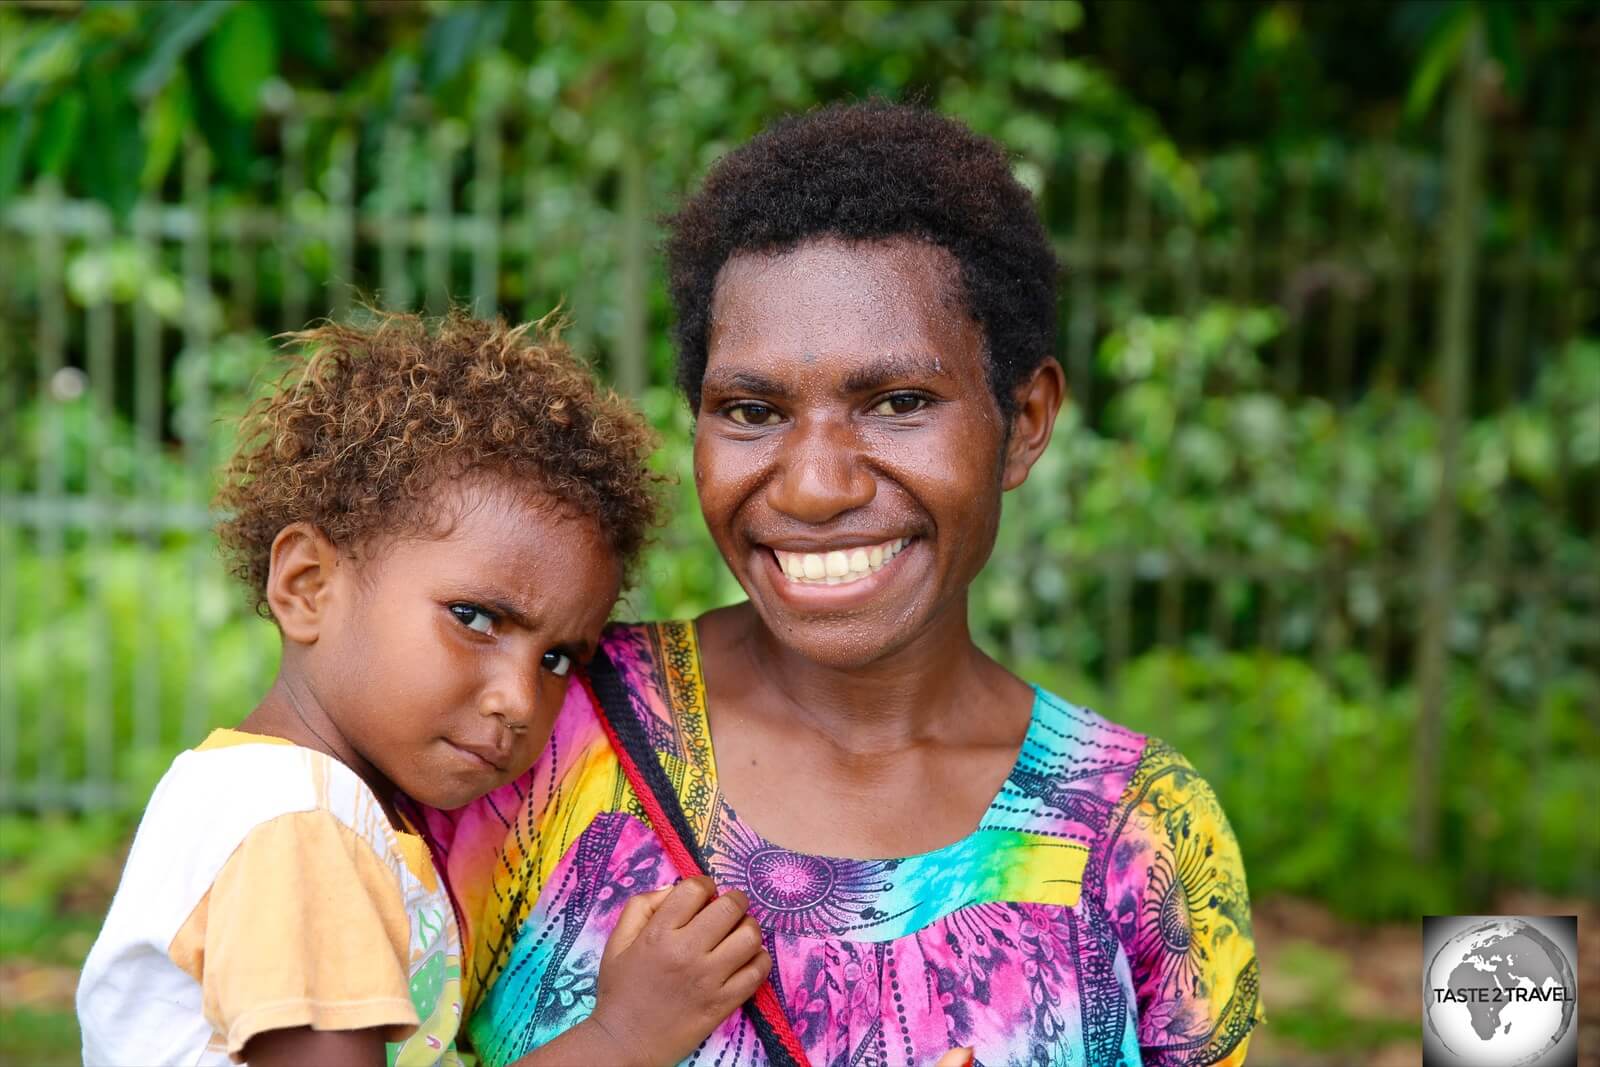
(821, 474)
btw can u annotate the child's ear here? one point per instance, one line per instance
(300, 583)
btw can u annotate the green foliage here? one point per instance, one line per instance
(138, 646)
(1204, 469)
(1313, 771)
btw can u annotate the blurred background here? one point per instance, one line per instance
(1324, 510)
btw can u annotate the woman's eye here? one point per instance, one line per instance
(473, 617)
(749, 414)
(557, 663)
(900, 404)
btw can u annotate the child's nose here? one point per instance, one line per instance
(512, 697)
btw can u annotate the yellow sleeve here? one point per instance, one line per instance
(304, 926)
(1176, 895)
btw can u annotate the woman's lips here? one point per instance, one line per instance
(857, 584)
(838, 566)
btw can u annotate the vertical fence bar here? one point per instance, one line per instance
(1242, 279)
(50, 477)
(98, 721)
(1137, 260)
(486, 215)
(339, 185)
(291, 244)
(528, 230)
(198, 299)
(439, 232)
(1512, 341)
(242, 269)
(1464, 148)
(11, 532)
(1083, 263)
(147, 403)
(631, 370)
(1188, 281)
(1118, 568)
(1399, 266)
(1579, 209)
(1296, 247)
(394, 222)
(1119, 604)
(1347, 278)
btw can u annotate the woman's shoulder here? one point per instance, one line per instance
(1096, 775)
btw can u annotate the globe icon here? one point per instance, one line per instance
(1499, 994)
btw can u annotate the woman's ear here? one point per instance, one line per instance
(1038, 403)
(300, 581)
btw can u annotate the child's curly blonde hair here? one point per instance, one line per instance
(367, 420)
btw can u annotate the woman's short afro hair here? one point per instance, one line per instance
(367, 421)
(871, 171)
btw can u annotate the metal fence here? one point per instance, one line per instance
(1375, 253)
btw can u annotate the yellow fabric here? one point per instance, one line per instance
(228, 738)
(304, 926)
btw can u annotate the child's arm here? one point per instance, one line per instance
(680, 961)
(301, 1045)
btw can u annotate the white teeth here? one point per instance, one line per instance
(840, 566)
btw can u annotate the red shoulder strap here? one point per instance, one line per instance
(660, 802)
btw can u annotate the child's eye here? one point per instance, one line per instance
(557, 663)
(900, 404)
(750, 413)
(473, 617)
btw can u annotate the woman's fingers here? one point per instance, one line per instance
(956, 1057)
(635, 917)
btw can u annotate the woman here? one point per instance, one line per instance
(866, 318)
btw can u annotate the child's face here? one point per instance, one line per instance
(444, 660)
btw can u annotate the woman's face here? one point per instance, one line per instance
(849, 455)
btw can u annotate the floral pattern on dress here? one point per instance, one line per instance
(1097, 916)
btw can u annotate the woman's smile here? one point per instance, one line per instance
(845, 577)
(845, 565)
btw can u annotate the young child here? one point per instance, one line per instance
(438, 518)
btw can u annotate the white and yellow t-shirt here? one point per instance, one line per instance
(266, 890)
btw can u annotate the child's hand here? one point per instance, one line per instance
(680, 961)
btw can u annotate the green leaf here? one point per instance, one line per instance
(1439, 58)
(1501, 22)
(303, 29)
(239, 57)
(59, 135)
(16, 129)
(183, 27)
(448, 44)
(111, 170)
(165, 120)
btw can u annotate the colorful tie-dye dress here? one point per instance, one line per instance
(1097, 916)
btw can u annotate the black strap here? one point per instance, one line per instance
(617, 709)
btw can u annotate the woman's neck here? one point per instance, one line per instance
(911, 695)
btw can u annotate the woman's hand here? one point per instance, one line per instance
(680, 961)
